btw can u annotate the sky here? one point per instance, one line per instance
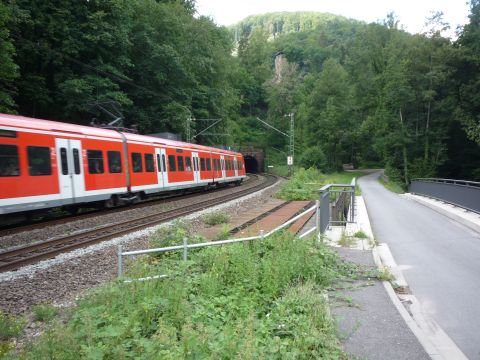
(411, 13)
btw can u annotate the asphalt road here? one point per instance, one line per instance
(440, 260)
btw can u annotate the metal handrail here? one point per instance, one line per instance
(185, 247)
(450, 181)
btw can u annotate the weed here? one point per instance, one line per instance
(224, 233)
(346, 241)
(10, 326)
(216, 218)
(44, 312)
(262, 300)
(360, 235)
(384, 274)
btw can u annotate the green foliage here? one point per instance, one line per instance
(224, 233)
(10, 326)
(313, 157)
(256, 300)
(392, 185)
(305, 184)
(360, 235)
(44, 312)
(216, 218)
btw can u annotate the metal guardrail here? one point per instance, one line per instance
(462, 193)
(337, 204)
(322, 209)
(185, 247)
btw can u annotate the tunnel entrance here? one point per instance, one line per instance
(254, 159)
(251, 164)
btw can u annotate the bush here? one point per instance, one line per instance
(44, 312)
(313, 157)
(216, 218)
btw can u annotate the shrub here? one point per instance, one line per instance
(216, 218)
(44, 312)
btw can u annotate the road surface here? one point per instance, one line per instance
(440, 260)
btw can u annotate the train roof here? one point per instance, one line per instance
(48, 125)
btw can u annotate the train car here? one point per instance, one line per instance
(46, 164)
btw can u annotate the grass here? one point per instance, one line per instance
(346, 241)
(258, 300)
(392, 185)
(360, 235)
(224, 233)
(216, 218)
(44, 312)
(305, 184)
(10, 328)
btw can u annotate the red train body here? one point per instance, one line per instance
(45, 164)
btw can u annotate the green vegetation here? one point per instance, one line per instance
(305, 184)
(361, 93)
(393, 186)
(346, 241)
(216, 218)
(360, 235)
(224, 233)
(256, 300)
(10, 327)
(44, 312)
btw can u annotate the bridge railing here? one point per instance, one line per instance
(462, 193)
(337, 204)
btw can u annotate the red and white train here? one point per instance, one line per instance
(45, 164)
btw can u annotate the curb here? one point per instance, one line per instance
(437, 344)
(430, 203)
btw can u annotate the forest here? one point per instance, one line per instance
(372, 95)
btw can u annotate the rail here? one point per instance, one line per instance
(461, 193)
(337, 204)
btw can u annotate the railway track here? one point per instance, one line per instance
(17, 228)
(29, 254)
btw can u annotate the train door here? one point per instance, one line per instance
(196, 167)
(222, 165)
(69, 164)
(162, 167)
(235, 165)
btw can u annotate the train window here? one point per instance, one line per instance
(149, 166)
(114, 162)
(137, 162)
(180, 163)
(164, 164)
(195, 164)
(172, 166)
(8, 133)
(209, 165)
(76, 161)
(9, 165)
(39, 162)
(64, 161)
(95, 161)
(202, 164)
(179, 151)
(159, 167)
(188, 163)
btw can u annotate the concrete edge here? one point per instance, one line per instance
(423, 201)
(437, 344)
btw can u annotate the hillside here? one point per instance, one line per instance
(278, 23)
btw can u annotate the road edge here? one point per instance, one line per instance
(431, 336)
